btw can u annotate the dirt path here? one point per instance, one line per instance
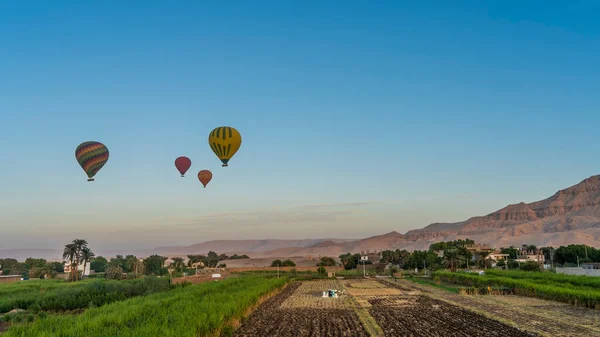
(543, 317)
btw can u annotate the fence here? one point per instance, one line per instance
(578, 271)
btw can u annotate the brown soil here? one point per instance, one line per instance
(539, 316)
(423, 316)
(272, 320)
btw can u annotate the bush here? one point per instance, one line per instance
(530, 266)
(350, 265)
(437, 280)
(512, 264)
(288, 263)
(322, 270)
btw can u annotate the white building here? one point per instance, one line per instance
(86, 272)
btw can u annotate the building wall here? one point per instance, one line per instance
(8, 279)
(243, 269)
(578, 271)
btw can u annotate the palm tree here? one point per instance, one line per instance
(134, 265)
(178, 264)
(482, 259)
(70, 254)
(452, 259)
(86, 255)
(80, 244)
(114, 270)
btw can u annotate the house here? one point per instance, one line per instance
(497, 256)
(373, 257)
(526, 255)
(198, 265)
(79, 268)
(478, 248)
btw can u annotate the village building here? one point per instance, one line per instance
(373, 257)
(85, 272)
(526, 255)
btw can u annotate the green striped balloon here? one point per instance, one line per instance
(91, 156)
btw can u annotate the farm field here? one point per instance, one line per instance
(367, 308)
(51, 295)
(299, 311)
(195, 310)
(546, 318)
(576, 290)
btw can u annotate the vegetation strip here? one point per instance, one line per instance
(197, 310)
(72, 296)
(546, 289)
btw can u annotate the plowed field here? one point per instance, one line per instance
(384, 309)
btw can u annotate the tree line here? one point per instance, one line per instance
(455, 255)
(77, 253)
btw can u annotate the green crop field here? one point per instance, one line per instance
(576, 290)
(195, 310)
(49, 295)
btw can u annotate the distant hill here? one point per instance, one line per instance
(570, 216)
(251, 247)
(22, 254)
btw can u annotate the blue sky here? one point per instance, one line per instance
(357, 119)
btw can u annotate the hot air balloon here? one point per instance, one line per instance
(225, 141)
(204, 176)
(183, 164)
(91, 156)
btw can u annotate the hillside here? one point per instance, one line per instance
(570, 216)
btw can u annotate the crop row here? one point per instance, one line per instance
(585, 297)
(35, 286)
(548, 278)
(75, 295)
(196, 310)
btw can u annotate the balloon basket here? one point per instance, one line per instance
(91, 179)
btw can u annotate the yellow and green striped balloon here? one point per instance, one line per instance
(225, 141)
(91, 156)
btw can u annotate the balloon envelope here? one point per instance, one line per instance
(225, 141)
(183, 164)
(204, 176)
(91, 157)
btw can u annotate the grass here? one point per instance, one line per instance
(198, 310)
(571, 281)
(65, 296)
(540, 285)
(433, 284)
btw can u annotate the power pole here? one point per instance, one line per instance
(364, 272)
(278, 270)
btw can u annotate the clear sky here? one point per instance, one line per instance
(357, 118)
